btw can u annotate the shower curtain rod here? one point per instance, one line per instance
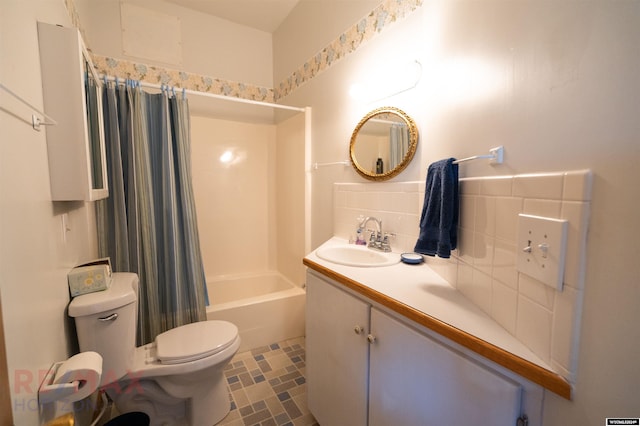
(213, 95)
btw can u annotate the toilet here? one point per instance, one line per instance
(176, 380)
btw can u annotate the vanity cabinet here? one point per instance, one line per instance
(336, 354)
(73, 97)
(414, 380)
(366, 366)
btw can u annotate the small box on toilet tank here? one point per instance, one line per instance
(89, 278)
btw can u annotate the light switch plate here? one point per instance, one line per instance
(542, 244)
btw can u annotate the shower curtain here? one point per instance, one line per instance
(148, 224)
(398, 144)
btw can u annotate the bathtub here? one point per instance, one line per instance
(267, 308)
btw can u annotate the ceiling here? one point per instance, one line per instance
(264, 15)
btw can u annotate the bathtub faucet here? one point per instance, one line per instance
(377, 240)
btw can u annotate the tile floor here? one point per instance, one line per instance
(268, 386)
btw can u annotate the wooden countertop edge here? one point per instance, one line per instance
(545, 378)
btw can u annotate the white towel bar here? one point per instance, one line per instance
(495, 156)
(36, 121)
(316, 165)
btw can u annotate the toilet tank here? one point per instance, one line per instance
(106, 323)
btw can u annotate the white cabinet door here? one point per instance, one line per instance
(336, 360)
(416, 381)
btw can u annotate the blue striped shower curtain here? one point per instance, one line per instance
(148, 223)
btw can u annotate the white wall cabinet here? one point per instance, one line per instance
(390, 373)
(73, 97)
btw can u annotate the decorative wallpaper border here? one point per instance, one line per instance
(388, 12)
(123, 68)
(73, 14)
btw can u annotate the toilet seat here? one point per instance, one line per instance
(194, 341)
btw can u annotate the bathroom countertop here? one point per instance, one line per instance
(419, 294)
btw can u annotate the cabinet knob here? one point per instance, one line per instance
(371, 338)
(358, 330)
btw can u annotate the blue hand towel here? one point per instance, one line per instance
(439, 220)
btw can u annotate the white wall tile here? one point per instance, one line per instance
(411, 225)
(545, 208)
(404, 202)
(534, 327)
(372, 200)
(465, 277)
(340, 198)
(483, 252)
(566, 319)
(548, 186)
(577, 185)
(507, 210)
(483, 267)
(467, 212)
(412, 202)
(465, 246)
(485, 215)
(498, 186)
(386, 202)
(504, 264)
(481, 291)
(577, 213)
(504, 306)
(446, 268)
(469, 186)
(353, 199)
(536, 291)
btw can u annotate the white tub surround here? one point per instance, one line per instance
(265, 307)
(419, 294)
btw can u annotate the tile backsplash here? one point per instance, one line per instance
(483, 267)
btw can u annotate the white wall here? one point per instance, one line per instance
(555, 83)
(34, 257)
(312, 25)
(210, 46)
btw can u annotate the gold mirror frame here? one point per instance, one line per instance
(413, 144)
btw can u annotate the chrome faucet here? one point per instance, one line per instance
(377, 240)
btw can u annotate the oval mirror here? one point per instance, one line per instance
(383, 143)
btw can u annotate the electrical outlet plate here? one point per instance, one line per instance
(542, 244)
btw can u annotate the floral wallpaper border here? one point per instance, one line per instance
(73, 14)
(388, 12)
(123, 68)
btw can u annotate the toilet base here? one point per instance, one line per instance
(211, 406)
(148, 397)
(206, 407)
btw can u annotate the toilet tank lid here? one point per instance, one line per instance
(120, 293)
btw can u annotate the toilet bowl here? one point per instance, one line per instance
(176, 380)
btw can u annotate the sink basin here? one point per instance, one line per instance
(352, 255)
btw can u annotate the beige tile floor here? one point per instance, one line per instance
(268, 386)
